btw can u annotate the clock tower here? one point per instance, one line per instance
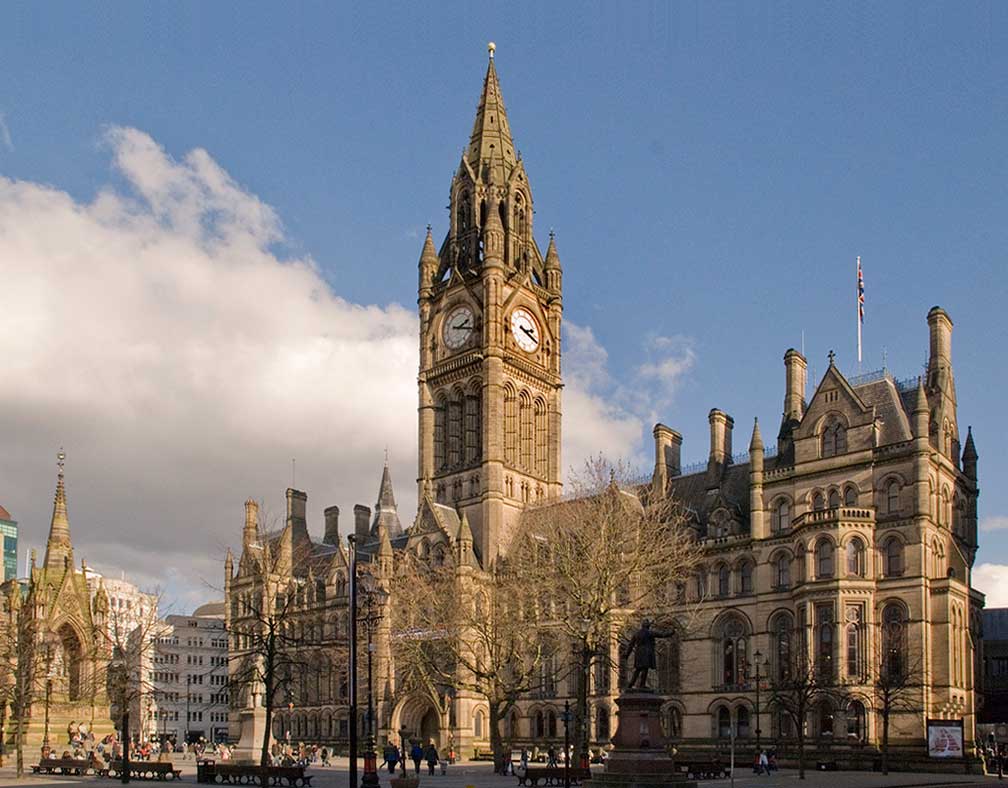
(490, 311)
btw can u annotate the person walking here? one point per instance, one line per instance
(764, 763)
(431, 757)
(417, 755)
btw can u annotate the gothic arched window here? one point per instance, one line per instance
(734, 651)
(818, 502)
(893, 552)
(782, 571)
(724, 580)
(472, 427)
(724, 723)
(455, 430)
(850, 496)
(510, 426)
(540, 437)
(825, 641)
(525, 423)
(782, 516)
(782, 647)
(824, 559)
(856, 721)
(855, 558)
(745, 578)
(893, 640)
(834, 499)
(893, 498)
(440, 407)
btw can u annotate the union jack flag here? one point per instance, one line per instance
(860, 291)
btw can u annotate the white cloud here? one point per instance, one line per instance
(5, 135)
(992, 580)
(994, 523)
(182, 364)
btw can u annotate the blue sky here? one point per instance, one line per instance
(711, 171)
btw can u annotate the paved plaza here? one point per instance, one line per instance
(479, 775)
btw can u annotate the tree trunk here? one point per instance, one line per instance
(19, 722)
(496, 742)
(581, 712)
(801, 752)
(885, 740)
(3, 727)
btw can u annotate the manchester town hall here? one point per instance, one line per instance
(852, 540)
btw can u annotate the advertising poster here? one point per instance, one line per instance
(945, 738)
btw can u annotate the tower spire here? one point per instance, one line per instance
(386, 513)
(491, 131)
(59, 550)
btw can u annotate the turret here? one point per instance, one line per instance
(668, 450)
(757, 516)
(796, 370)
(428, 265)
(331, 536)
(941, 384)
(554, 273)
(250, 533)
(493, 229)
(922, 451)
(969, 456)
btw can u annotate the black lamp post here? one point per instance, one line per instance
(566, 721)
(757, 661)
(352, 660)
(188, 697)
(374, 600)
(402, 737)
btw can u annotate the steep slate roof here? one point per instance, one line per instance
(385, 512)
(890, 406)
(491, 134)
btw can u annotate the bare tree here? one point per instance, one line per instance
(129, 639)
(896, 677)
(612, 551)
(19, 650)
(797, 691)
(461, 630)
(268, 629)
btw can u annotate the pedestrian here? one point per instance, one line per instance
(432, 757)
(764, 763)
(551, 756)
(417, 755)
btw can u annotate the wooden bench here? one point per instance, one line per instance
(247, 774)
(146, 770)
(76, 766)
(703, 770)
(551, 775)
(482, 755)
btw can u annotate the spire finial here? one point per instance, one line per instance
(491, 47)
(386, 455)
(552, 234)
(832, 356)
(60, 459)
(428, 229)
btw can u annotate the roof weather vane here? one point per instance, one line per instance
(491, 46)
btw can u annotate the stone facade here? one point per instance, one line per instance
(72, 648)
(853, 538)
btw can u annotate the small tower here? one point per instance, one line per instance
(757, 516)
(59, 549)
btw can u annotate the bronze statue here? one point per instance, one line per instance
(642, 646)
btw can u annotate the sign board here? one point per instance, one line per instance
(945, 738)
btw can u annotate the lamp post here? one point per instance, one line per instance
(374, 600)
(566, 721)
(757, 661)
(402, 738)
(352, 659)
(188, 697)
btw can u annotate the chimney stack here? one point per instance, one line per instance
(362, 521)
(250, 533)
(668, 450)
(794, 393)
(297, 502)
(331, 526)
(720, 436)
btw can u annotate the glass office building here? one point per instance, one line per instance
(8, 535)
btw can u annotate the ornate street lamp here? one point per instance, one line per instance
(374, 599)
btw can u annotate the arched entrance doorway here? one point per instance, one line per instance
(420, 721)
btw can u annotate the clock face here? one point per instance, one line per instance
(525, 330)
(458, 327)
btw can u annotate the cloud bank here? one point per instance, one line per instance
(155, 333)
(992, 580)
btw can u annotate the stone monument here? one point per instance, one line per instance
(641, 756)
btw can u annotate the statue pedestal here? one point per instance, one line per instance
(253, 726)
(640, 756)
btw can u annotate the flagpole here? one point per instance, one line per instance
(857, 310)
